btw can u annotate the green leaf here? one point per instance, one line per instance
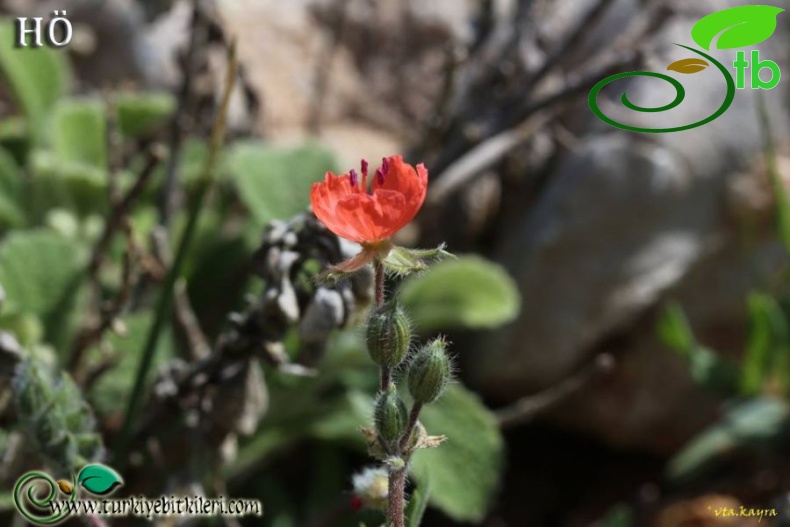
(620, 515)
(275, 182)
(418, 503)
(99, 479)
(465, 470)
(674, 329)
(750, 423)
(341, 420)
(768, 332)
(41, 274)
(11, 214)
(38, 77)
(705, 366)
(79, 132)
(741, 26)
(139, 114)
(74, 186)
(469, 292)
(713, 372)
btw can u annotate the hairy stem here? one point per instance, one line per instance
(397, 475)
(397, 497)
(379, 269)
(386, 375)
(413, 417)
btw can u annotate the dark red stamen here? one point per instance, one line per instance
(364, 164)
(385, 165)
(354, 178)
(379, 176)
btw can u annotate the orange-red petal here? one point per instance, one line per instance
(353, 214)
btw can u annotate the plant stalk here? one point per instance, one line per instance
(397, 500)
(164, 306)
(413, 417)
(397, 476)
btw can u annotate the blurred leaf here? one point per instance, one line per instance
(739, 27)
(79, 132)
(26, 327)
(618, 516)
(41, 273)
(418, 502)
(275, 182)
(746, 424)
(674, 329)
(713, 371)
(111, 392)
(11, 214)
(469, 292)
(343, 420)
(465, 470)
(768, 333)
(706, 367)
(14, 138)
(74, 186)
(37, 76)
(141, 113)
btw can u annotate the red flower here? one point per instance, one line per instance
(343, 203)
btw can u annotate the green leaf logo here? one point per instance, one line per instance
(739, 26)
(99, 479)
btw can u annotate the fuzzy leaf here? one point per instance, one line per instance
(465, 470)
(275, 182)
(739, 27)
(141, 113)
(99, 479)
(11, 214)
(38, 77)
(41, 273)
(79, 132)
(469, 292)
(75, 186)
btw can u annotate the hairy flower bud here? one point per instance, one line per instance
(388, 335)
(430, 372)
(390, 415)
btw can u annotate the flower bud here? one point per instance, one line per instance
(388, 335)
(430, 372)
(390, 415)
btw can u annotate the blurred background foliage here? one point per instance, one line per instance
(58, 185)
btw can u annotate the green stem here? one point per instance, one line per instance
(164, 305)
